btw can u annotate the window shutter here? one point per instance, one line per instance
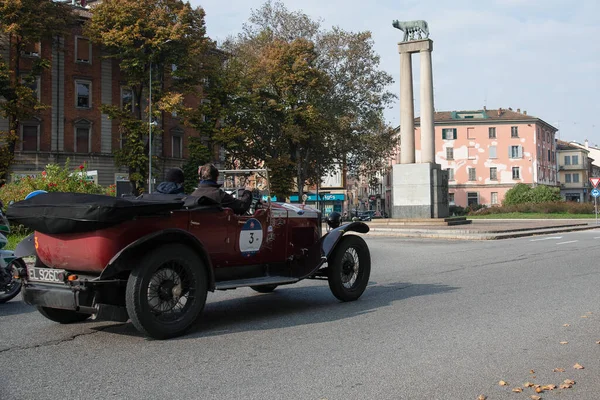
(520, 154)
(454, 133)
(510, 152)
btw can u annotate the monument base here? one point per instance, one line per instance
(419, 191)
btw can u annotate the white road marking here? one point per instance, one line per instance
(546, 238)
(570, 241)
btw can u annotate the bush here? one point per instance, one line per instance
(550, 207)
(53, 179)
(522, 193)
(456, 211)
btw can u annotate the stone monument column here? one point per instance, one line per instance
(407, 109)
(427, 126)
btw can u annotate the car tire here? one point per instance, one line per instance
(264, 288)
(156, 288)
(14, 286)
(349, 268)
(62, 316)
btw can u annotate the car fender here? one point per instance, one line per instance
(153, 240)
(26, 247)
(331, 239)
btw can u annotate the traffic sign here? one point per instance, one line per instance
(595, 181)
(595, 192)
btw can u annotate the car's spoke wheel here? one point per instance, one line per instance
(349, 268)
(62, 316)
(264, 288)
(167, 291)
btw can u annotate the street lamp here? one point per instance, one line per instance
(150, 124)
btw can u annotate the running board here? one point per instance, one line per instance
(263, 280)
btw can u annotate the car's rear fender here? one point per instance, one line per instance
(125, 259)
(331, 239)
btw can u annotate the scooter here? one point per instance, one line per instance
(9, 285)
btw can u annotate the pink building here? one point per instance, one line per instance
(487, 152)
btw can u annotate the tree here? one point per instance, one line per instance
(21, 23)
(149, 36)
(522, 193)
(307, 99)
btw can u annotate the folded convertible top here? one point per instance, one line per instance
(57, 212)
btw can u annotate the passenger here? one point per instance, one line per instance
(208, 187)
(173, 183)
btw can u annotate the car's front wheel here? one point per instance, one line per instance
(349, 268)
(167, 291)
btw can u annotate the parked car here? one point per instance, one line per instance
(153, 259)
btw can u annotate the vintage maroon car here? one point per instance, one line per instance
(153, 259)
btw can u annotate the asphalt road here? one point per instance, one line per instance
(440, 320)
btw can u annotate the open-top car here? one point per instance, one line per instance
(154, 258)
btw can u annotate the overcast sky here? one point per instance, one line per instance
(542, 56)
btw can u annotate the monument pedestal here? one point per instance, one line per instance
(419, 191)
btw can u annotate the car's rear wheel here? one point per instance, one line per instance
(349, 268)
(62, 316)
(167, 291)
(264, 288)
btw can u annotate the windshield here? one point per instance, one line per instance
(235, 181)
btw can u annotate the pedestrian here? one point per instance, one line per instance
(209, 188)
(173, 183)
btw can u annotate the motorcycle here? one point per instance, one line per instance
(9, 285)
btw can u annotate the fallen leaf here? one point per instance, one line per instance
(502, 383)
(517, 390)
(584, 316)
(558, 370)
(549, 387)
(531, 371)
(534, 397)
(482, 397)
(569, 382)
(528, 384)
(565, 386)
(577, 366)
(598, 342)
(567, 325)
(589, 312)
(539, 390)
(564, 342)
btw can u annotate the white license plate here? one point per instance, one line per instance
(45, 274)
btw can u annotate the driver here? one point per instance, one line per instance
(209, 188)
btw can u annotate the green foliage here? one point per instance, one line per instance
(54, 178)
(522, 193)
(199, 155)
(550, 207)
(148, 37)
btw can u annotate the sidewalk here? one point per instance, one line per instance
(483, 229)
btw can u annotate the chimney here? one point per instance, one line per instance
(484, 108)
(586, 144)
(500, 111)
(518, 110)
(509, 108)
(524, 112)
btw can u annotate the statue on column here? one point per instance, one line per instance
(413, 30)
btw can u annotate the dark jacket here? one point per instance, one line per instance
(213, 191)
(169, 188)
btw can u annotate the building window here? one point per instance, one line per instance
(494, 199)
(549, 156)
(575, 160)
(83, 50)
(567, 160)
(83, 135)
(83, 90)
(515, 152)
(449, 133)
(472, 198)
(567, 178)
(471, 133)
(492, 132)
(32, 49)
(516, 173)
(177, 146)
(450, 174)
(471, 153)
(33, 83)
(493, 173)
(451, 199)
(30, 137)
(575, 178)
(127, 99)
(493, 152)
(472, 174)
(514, 131)
(449, 153)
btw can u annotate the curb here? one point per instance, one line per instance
(471, 235)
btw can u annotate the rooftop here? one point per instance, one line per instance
(500, 114)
